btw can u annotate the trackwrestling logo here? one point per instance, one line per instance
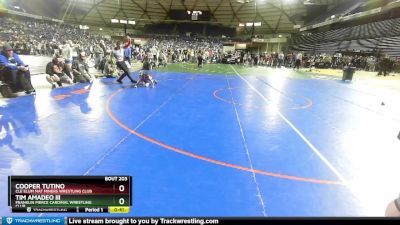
(32, 221)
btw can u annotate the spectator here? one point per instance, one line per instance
(299, 58)
(15, 71)
(110, 66)
(146, 65)
(80, 69)
(103, 46)
(128, 50)
(98, 55)
(66, 52)
(280, 59)
(199, 60)
(162, 61)
(38, 37)
(56, 73)
(370, 64)
(384, 66)
(184, 49)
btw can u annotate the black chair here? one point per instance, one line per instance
(7, 87)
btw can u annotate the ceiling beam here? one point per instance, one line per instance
(237, 11)
(90, 10)
(211, 12)
(183, 4)
(283, 11)
(101, 16)
(169, 10)
(264, 21)
(236, 16)
(163, 7)
(216, 8)
(138, 20)
(272, 13)
(279, 20)
(140, 7)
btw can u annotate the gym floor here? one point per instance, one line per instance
(217, 141)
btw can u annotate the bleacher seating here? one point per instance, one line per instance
(390, 46)
(340, 10)
(382, 35)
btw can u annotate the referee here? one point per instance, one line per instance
(118, 53)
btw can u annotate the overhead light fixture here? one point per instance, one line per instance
(83, 27)
(114, 21)
(100, 28)
(280, 36)
(241, 24)
(123, 21)
(289, 1)
(257, 24)
(132, 22)
(309, 2)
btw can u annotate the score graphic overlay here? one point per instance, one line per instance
(75, 194)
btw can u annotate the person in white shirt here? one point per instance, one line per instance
(66, 53)
(118, 53)
(154, 53)
(299, 58)
(75, 48)
(281, 57)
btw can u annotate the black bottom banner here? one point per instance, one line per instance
(229, 221)
(189, 221)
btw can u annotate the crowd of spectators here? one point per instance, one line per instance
(374, 63)
(38, 37)
(72, 48)
(382, 64)
(163, 49)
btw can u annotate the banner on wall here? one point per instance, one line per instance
(241, 46)
(228, 48)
